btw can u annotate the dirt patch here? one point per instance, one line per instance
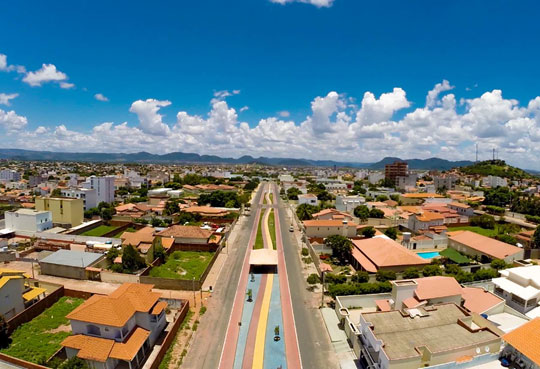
(62, 328)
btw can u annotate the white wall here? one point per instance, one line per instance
(37, 222)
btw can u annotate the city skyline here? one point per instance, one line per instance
(324, 89)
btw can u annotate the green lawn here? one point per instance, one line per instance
(455, 256)
(271, 198)
(99, 231)
(129, 229)
(272, 228)
(183, 265)
(40, 338)
(479, 230)
(259, 243)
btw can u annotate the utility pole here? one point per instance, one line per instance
(322, 294)
(493, 154)
(477, 153)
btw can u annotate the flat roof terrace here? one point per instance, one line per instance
(438, 330)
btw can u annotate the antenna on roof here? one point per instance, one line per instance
(477, 153)
(493, 153)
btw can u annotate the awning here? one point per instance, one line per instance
(33, 293)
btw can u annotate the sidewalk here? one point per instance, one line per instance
(213, 275)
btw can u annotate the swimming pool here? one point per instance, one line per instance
(428, 255)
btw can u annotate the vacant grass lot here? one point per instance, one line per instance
(183, 265)
(272, 228)
(475, 229)
(40, 338)
(99, 231)
(125, 230)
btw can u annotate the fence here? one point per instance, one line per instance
(169, 338)
(30, 313)
(21, 363)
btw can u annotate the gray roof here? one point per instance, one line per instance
(72, 258)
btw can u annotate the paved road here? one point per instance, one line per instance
(315, 347)
(208, 342)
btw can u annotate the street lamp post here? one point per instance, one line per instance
(322, 294)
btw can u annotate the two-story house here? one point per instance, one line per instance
(119, 328)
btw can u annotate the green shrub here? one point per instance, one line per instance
(411, 273)
(431, 270)
(331, 278)
(313, 278)
(385, 275)
(305, 251)
(360, 277)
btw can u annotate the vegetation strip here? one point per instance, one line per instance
(259, 243)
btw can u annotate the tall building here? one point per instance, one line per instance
(8, 175)
(87, 195)
(64, 211)
(446, 181)
(104, 187)
(397, 169)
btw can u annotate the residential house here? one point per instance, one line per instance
(349, 203)
(418, 198)
(424, 221)
(523, 345)
(16, 292)
(461, 208)
(520, 287)
(308, 198)
(494, 181)
(28, 220)
(381, 252)
(117, 330)
(332, 214)
(443, 334)
(486, 248)
(191, 238)
(132, 210)
(325, 228)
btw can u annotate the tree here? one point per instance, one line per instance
(131, 260)
(376, 213)
(112, 254)
(431, 270)
(159, 251)
(184, 218)
(361, 212)
(411, 273)
(341, 247)
(313, 278)
(306, 211)
(56, 192)
(107, 214)
(367, 232)
(452, 269)
(381, 198)
(484, 274)
(292, 193)
(171, 206)
(4, 335)
(484, 221)
(498, 264)
(391, 232)
(385, 275)
(535, 241)
(360, 277)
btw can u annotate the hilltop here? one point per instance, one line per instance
(497, 168)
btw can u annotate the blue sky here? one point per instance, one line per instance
(271, 58)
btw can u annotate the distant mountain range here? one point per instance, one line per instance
(180, 157)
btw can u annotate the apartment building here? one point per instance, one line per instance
(348, 203)
(118, 330)
(64, 211)
(447, 182)
(87, 195)
(104, 187)
(396, 169)
(8, 175)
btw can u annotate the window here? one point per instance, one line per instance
(93, 330)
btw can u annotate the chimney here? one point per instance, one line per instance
(402, 290)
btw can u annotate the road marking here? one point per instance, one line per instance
(258, 357)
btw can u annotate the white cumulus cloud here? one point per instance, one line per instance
(101, 97)
(149, 120)
(4, 98)
(47, 73)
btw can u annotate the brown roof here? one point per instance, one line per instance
(158, 308)
(486, 245)
(100, 349)
(478, 300)
(167, 243)
(384, 252)
(207, 210)
(117, 308)
(436, 287)
(179, 231)
(526, 339)
(422, 195)
(143, 235)
(429, 216)
(383, 305)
